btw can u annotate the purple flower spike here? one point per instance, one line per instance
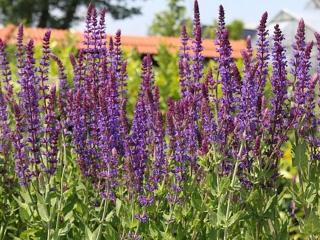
(317, 36)
(300, 69)
(221, 24)
(51, 131)
(43, 70)
(5, 72)
(29, 97)
(209, 127)
(20, 52)
(247, 118)
(184, 63)
(197, 58)
(228, 87)
(5, 133)
(278, 115)
(63, 90)
(22, 161)
(141, 125)
(262, 58)
(159, 168)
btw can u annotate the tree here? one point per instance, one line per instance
(169, 21)
(57, 13)
(235, 29)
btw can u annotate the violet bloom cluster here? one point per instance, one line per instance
(102, 135)
(226, 106)
(300, 70)
(278, 115)
(35, 132)
(247, 116)
(4, 133)
(5, 98)
(111, 150)
(220, 110)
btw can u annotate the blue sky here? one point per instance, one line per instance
(248, 11)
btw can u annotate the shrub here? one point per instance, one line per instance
(74, 166)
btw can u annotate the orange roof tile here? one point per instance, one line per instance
(144, 45)
(5, 33)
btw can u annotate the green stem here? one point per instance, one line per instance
(170, 216)
(235, 170)
(299, 170)
(105, 206)
(2, 231)
(49, 230)
(33, 202)
(63, 162)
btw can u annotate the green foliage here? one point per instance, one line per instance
(166, 74)
(213, 206)
(235, 29)
(134, 73)
(41, 12)
(169, 21)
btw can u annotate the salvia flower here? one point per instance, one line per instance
(5, 133)
(262, 58)
(43, 70)
(29, 97)
(300, 70)
(51, 132)
(184, 64)
(279, 83)
(209, 128)
(22, 160)
(5, 72)
(197, 58)
(142, 217)
(227, 101)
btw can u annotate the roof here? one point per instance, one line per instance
(313, 4)
(144, 45)
(311, 18)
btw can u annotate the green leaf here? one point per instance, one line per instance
(24, 210)
(283, 232)
(300, 159)
(234, 218)
(154, 233)
(63, 231)
(213, 218)
(270, 203)
(43, 212)
(110, 233)
(29, 233)
(24, 214)
(118, 206)
(133, 223)
(312, 224)
(26, 197)
(70, 204)
(96, 232)
(40, 198)
(224, 185)
(88, 233)
(212, 180)
(221, 212)
(196, 200)
(109, 216)
(167, 236)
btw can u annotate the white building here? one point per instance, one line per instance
(288, 22)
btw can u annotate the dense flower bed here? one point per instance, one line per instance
(73, 166)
